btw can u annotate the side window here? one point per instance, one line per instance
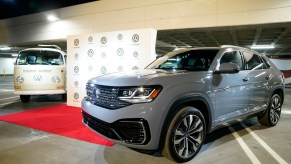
(232, 57)
(265, 62)
(253, 61)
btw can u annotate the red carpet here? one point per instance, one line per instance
(59, 119)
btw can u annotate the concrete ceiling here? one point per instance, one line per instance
(278, 35)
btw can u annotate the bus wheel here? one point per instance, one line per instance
(64, 97)
(25, 98)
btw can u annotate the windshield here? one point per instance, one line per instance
(193, 60)
(39, 57)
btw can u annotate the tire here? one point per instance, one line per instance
(64, 97)
(24, 98)
(272, 115)
(183, 142)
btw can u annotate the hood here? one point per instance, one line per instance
(132, 78)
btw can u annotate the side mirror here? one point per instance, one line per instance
(227, 68)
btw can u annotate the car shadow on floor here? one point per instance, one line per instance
(118, 153)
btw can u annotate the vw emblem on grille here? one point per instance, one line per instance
(119, 36)
(135, 68)
(76, 42)
(90, 39)
(120, 51)
(103, 69)
(90, 68)
(135, 38)
(97, 92)
(76, 83)
(90, 52)
(76, 55)
(19, 79)
(55, 79)
(37, 78)
(103, 55)
(103, 40)
(76, 96)
(135, 54)
(76, 69)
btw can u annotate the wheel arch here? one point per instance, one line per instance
(198, 102)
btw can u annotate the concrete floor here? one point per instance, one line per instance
(247, 142)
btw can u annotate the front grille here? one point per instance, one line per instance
(104, 96)
(131, 131)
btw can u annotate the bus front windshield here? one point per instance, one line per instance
(39, 57)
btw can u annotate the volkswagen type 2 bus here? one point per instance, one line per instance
(40, 71)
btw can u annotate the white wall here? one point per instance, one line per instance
(7, 64)
(114, 15)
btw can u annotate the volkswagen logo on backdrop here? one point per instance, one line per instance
(76, 96)
(119, 36)
(90, 52)
(135, 68)
(103, 69)
(76, 83)
(120, 51)
(37, 77)
(135, 38)
(76, 69)
(135, 54)
(76, 42)
(76, 55)
(90, 68)
(90, 39)
(103, 40)
(103, 55)
(19, 79)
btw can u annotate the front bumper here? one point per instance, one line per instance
(136, 126)
(129, 131)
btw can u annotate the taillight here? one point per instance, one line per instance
(282, 75)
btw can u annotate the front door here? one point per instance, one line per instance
(231, 90)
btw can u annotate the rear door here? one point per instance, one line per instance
(258, 77)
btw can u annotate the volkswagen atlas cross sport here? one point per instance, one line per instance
(40, 71)
(179, 98)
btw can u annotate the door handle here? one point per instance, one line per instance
(245, 79)
(268, 77)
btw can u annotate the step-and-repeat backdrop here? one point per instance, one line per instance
(92, 55)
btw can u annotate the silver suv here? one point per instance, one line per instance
(179, 98)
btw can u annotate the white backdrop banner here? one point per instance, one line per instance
(92, 55)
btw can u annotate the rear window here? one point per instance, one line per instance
(39, 57)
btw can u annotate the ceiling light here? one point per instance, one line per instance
(52, 18)
(262, 47)
(14, 55)
(5, 48)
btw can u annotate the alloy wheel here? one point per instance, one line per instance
(275, 110)
(188, 136)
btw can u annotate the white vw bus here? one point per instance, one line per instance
(40, 71)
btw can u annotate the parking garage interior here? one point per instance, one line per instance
(193, 24)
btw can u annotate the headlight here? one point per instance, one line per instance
(140, 94)
(19, 79)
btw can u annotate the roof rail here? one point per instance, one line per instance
(230, 46)
(50, 46)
